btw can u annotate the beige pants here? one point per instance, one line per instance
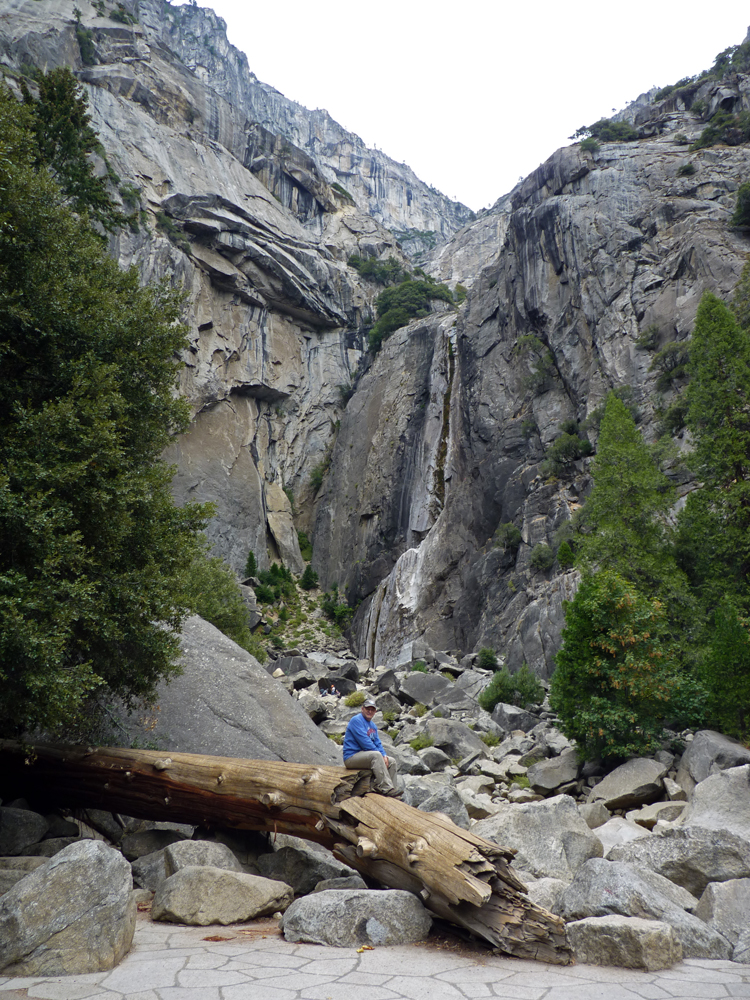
(385, 779)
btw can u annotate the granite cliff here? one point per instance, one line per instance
(253, 206)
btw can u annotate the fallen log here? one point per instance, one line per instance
(457, 875)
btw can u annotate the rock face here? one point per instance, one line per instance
(74, 914)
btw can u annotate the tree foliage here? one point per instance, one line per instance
(522, 688)
(616, 677)
(92, 548)
(402, 303)
(65, 140)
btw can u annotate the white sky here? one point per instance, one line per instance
(474, 95)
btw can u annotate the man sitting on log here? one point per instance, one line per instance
(363, 749)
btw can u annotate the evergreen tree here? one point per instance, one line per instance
(714, 541)
(93, 550)
(725, 671)
(624, 520)
(616, 677)
(61, 126)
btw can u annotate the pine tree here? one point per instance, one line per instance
(714, 541)
(624, 521)
(616, 677)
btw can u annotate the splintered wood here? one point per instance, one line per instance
(458, 876)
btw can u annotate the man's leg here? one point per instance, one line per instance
(374, 761)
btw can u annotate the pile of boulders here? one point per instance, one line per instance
(664, 838)
(647, 864)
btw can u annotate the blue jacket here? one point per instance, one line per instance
(361, 735)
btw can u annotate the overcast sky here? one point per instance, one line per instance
(475, 94)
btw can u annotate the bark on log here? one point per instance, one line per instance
(459, 876)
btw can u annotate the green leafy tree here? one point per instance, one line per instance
(92, 548)
(616, 678)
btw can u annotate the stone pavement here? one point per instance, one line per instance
(251, 962)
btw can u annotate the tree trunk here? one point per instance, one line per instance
(459, 876)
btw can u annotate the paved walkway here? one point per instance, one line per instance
(251, 963)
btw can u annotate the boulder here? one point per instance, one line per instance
(551, 836)
(675, 792)
(741, 951)
(708, 753)
(418, 688)
(301, 868)
(595, 813)
(628, 942)
(48, 848)
(445, 799)
(202, 895)
(349, 882)
(479, 805)
(150, 870)
(657, 812)
(545, 891)
(619, 830)
(357, 917)
(634, 783)
(454, 738)
(138, 845)
(725, 906)
(473, 682)
(19, 828)
(225, 703)
(192, 853)
(511, 718)
(548, 775)
(689, 857)
(74, 914)
(601, 888)
(722, 802)
(434, 759)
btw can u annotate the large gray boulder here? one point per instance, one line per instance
(192, 853)
(510, 718)
(445, 799)
(601, 888)
(350, 918)
(301, 867)
(725, 906)
(689, 857)
(74, 914)
(551, 837)
(150, 870)
(628, 942)
(226, 704)
(707, 754)
(203, 895)
(19, 829)
(617, 831)
(419, 688)
(549, 774)
(634, 783)
(721, 802)
(454, 738)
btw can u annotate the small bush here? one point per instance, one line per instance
(487, 659)
(251, 566)
(542, 557)
(390, 716)
(529, 688)
(489, 739)
(419, 710)
(305, 546)
(419, 666)
(355, 700)
(522, 782)
(402, 303)
(565, 557)
(590, 145)
(741, 217)
(309, 579)
(337, 738)
(501, 689)
(421, 742)
(686, 170)
(507, 537)
(264, 594)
